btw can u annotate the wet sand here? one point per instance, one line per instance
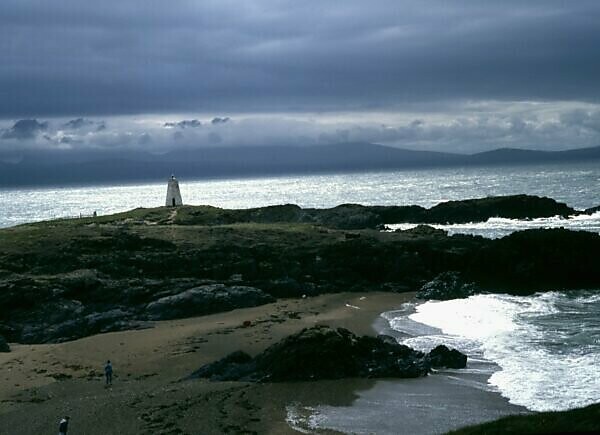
(41, 383)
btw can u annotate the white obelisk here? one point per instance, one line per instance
(173, 193)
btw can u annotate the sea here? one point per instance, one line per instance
(539, 352)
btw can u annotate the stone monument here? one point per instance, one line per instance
(173, 193)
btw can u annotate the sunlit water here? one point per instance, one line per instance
(540, 352)
(578, 185)
(546, 346)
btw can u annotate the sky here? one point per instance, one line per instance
(457, 76)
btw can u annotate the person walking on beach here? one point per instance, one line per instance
(63, 426)
(108, 370)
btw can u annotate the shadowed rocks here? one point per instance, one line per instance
(63, 280)
(4, 347)
(447, 285)
(322, 352)
(206, 299)
(355, 216)
(443, 357)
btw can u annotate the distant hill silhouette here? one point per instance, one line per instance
(92, 167)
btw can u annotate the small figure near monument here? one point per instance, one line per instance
(173, 193)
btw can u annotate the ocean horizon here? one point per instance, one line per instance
(576, 184)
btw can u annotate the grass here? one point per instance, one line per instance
(581, 420)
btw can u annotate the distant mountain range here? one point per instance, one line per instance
(54, 168)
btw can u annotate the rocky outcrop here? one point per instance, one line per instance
(511, 207)
(537, 260)
(422, 230)
(322, 352)
(4, 347)
(206, 299)
(443, 357)
(64, 321)
(447, 285)
(592, 210)
(355, 216)
(63, 280)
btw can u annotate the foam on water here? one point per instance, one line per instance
(495, 228)
(547, 346)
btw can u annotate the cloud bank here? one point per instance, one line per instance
(472, 128)
(455, 76)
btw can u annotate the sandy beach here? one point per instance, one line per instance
(41, 383)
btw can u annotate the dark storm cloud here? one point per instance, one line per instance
(80, 58)
(75, 124)
(191, 123)
(218, 120)
(24, 129)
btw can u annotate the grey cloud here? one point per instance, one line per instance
(75, 124)
(71, 58)
(84, 123)
(24, 129)
(69, 140)
(218, 120)
(191, 123)
(461, 128)
(583, 118)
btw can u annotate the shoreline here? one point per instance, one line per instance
(43, 382)
(446, 399)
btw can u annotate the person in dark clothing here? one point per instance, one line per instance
(63, 426)
(108, 371)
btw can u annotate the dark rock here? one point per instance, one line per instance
(592, 210)
(50, 320)
(538, 260)
(441, 356)
(206, 299)
(230, 367)
(424, 230)
(447, 285)
(80, 280)
(321, 352)
(481, 209)
(61, 281)
(4, 347)
(355, 216)
(387, 339)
